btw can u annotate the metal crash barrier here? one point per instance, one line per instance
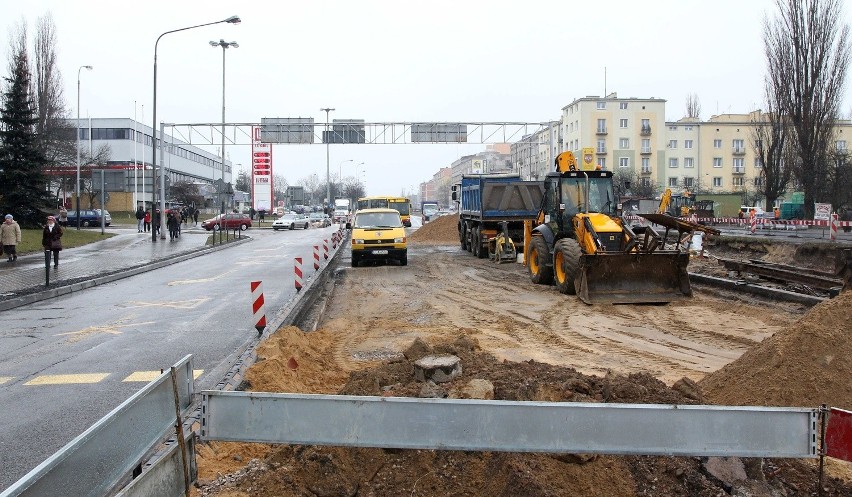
(95, 463)
(459, 424)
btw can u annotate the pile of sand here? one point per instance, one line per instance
(806, 364)
(441, 231)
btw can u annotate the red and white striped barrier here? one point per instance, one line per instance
(833, 230)
(334, 240)
(298, 273)
(760, 221)
(316, 257)
(325, 249)
(257, 308)
(753, 224)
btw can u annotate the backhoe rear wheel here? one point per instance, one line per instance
(566, 264)
(540, 271)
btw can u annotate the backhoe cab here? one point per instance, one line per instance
(580, 244)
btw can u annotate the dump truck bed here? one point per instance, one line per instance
(499, 198)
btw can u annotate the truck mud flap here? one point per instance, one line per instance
(633, 278)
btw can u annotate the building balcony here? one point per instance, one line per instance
(645, 131)
(738, 151)
(645, 151)
(601, 151)
(739, 170)
(645, 170)
(600, 131)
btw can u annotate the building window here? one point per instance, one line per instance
(758, 182)
(623, 162)
(673, 162)
(758, 163)
(717, 162)
(646, 165)
(738, 182)
(688, 162)
(623, 143)
(672, 128)
(646, 146)
(717, 182)
(717, 143)
(687, 182)
(622, 105)
(602, 162)
(739, 146)
(687, 144)
(622, 123)
(688, 128)
(601, 125)
(571, 127)
(841, 145)
(601, 105)
(646, 182)
(601, 146)
(672, 143)
(738, 165)
(673, 181)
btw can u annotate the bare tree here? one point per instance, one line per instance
(279, 187)
(693, 106)
(807, 50)
(55, 133)
(89, 184)
(771, 136)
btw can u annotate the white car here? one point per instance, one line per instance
(291, 221)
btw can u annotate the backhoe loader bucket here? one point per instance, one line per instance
(620, 278)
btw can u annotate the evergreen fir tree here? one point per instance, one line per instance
(23, 190)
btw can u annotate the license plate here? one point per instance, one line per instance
(380, 252)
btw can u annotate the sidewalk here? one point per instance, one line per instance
(126, 251)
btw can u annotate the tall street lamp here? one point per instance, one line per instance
(327, 170)
(78, 142)
(225, 45)
(340, 168)
(230, 20)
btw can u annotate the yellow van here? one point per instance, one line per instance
(378, 234)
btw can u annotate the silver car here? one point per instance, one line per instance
(291, 221)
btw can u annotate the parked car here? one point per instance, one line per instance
(228, 221)
(319, 219)
(88, 217)
(107, 217)
(291, 221)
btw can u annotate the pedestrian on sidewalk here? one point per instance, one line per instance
(10, 236)
(147, 220)
(157, 220)
(63, 216)
(140, 220)
(195, 216)
(51, 239)
(172, 223)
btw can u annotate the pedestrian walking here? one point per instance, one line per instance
(10, 236)
(157, 220)
(140, 220)
(172, 223)
(63, 216)
(51, 239)
(195, 216)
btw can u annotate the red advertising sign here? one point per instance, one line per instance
(261, 170)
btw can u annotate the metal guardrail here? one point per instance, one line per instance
(96, 461)
(457, 424)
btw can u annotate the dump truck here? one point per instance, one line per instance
(492, 210)
(577, 242)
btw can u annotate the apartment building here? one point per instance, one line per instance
(533, 155)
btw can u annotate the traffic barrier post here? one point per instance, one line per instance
(257, 307)
(316, 258)
(298, 273)
(325, 249)
(833, 230)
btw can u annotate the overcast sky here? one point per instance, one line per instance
(443, 60)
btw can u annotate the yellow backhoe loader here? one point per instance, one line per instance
(578, 243)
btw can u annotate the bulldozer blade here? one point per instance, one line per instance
(623, 278)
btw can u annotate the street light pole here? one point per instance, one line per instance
(327, 170)
(230, 20)
(78, 142)
(225, 45)
(340, 168)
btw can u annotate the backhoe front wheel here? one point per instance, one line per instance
(539, 265)
(566, 264)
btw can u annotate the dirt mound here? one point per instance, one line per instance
(440, 231)
(333, 471)
(805, 364)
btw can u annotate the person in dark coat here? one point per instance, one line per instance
(173, 224)
(51, 239)
(195, 216)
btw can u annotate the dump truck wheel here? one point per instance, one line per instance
(474, 241)
(483, 251)
(462, 236)
(566, 263)
(540, 272)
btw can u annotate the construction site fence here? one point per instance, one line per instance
(746, 222)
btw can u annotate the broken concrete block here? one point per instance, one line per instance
(439, 369)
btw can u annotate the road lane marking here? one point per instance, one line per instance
(183, 304)
(110, 329)
(66, 379)
(200, 280)
(6, 379)
(148, 376)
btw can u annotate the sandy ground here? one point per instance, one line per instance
(533, 343)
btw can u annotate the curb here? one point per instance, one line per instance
(5, 305)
